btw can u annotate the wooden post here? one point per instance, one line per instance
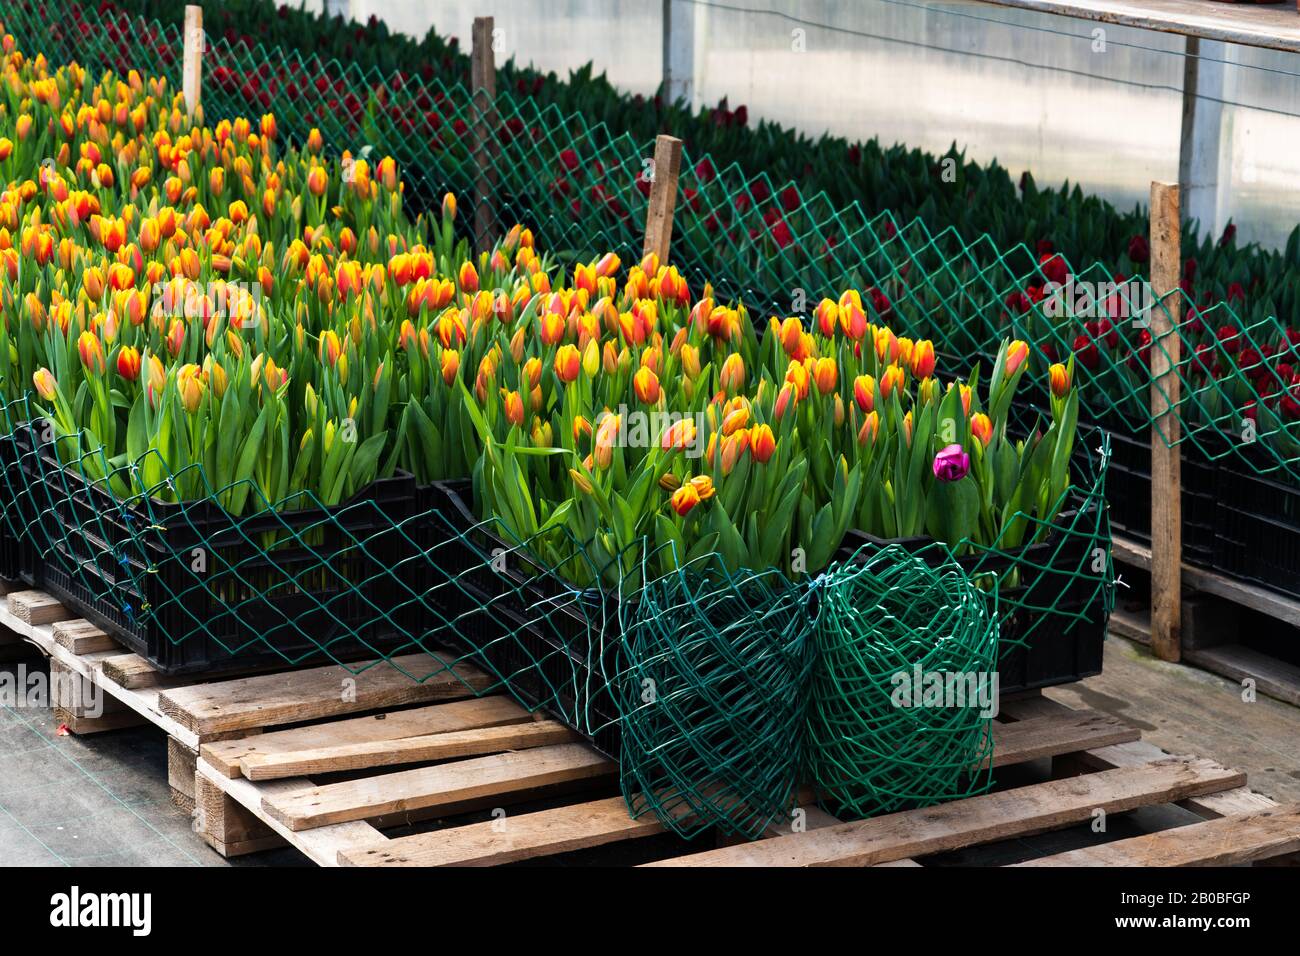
(192, 77)
(1166, 460)
(663, 197)
(483, 83)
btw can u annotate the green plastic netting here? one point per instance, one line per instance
(904, 691)
(713, 698)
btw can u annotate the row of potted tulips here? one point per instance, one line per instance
(637, 414)
(277, 344)
(730, 221)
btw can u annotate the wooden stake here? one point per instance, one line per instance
(1166, 460)
(192, 77)
(663, 196)
(483, 83)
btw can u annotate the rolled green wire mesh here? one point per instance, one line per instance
(712, 700)
(902, 696)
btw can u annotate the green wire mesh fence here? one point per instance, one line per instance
(713, 700)
(905, 686)
(582, 186)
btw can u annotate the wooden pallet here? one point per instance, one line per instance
(285, 758)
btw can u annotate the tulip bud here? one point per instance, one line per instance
(1016, 356)
(514, 407)
(684, 499)
(762, 442)
(870, 428)
(645, 383)
(45, 383)
(923, 359)
(579, 479)
(826, 374)
(128, 363)
(703, 485)
(468, 277)
(894, 380)
(1059, 378)
(92, 352)
(732, 375)
(606, 437)
(827, 314)
(784, 398)
(732, 448)
(568, 363)
(691, 361)
(591, 359)
(449, 361)
(189, 384)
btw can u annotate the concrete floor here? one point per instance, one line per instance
(100, 800)
(104, 800)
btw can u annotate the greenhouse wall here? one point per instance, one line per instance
(1025, 89)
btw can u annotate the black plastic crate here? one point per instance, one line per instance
(1128, 491)
(1259, 530)
(530, 627)
(193, 589)
(1053, 655)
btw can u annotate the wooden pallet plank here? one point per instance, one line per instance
(510, 839)
(321, 845)
(35, 608)
(81, 724)
(82, 637)
(1051, 735)
(493, 711)
(1275, 605)
(388, 753)
(1227, 841)
(230, 829)
(1237, 662)
(266, 700)
(133, 672)
(181, 761)
(83, 707)
(1225, 803)
(428, 787)
(982, 819)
